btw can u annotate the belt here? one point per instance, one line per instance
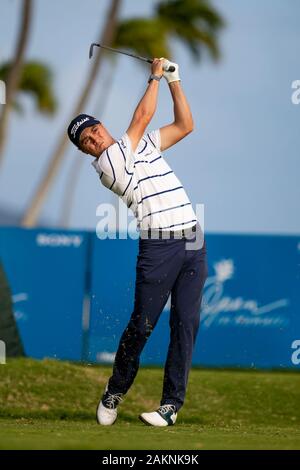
(159, 234)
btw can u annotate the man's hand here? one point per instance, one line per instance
(171, 76)
(157, 67)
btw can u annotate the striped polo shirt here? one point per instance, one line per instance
(145, 182)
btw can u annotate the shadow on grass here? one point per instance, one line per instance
(57, 414)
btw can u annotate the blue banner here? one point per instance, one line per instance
(250, 315)
(46, 270)
(250, 310)
(73, 296)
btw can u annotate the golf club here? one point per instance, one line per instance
(169, 69)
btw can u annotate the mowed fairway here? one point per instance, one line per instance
(51, 405)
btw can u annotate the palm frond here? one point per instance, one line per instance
(36, 79)
(195, 22)
(144, 36)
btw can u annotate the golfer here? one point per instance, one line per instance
(169, 260)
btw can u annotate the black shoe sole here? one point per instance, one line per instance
(149, 424)
(144, 421)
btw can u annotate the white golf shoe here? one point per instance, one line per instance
(107, 409)
(165, 416)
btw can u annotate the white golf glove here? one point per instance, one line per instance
(171, 76)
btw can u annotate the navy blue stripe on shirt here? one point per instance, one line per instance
(146, 143)
(146, 161)
(127, 187)
(161, 192)
(101, 174)
(164, 210)
(151, 141)
(150, 177)
(128, 173)
(112, 169)
(174, 225)
(157, 158)
(154, 176)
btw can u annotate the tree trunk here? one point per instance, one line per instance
(8, 328)
(73, 176)
(15, 72)
(32, 214)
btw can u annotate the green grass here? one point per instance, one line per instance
(51, 405)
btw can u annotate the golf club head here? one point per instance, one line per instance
(92, 49)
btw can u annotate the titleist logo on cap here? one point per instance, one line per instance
(77, 125)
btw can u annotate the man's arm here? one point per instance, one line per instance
(183, 119)
(146, 107)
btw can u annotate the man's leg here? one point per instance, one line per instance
(158, 265)
(184, 322)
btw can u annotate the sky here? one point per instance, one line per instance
(241, 161)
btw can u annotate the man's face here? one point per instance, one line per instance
(94, 140)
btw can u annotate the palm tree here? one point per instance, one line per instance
(74, 172)
(34, 209)
(195, 22)
(15, 70)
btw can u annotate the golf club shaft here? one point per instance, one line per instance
(150, 61)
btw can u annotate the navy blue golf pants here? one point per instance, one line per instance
(163, 267)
